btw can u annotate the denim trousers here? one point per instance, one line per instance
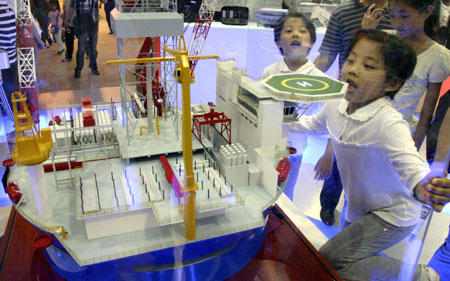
(70, 38)
(331, 189)
(355, 251)
(109, 6)
(441, 259)
(87, 42)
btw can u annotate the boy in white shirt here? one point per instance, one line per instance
(384, 178)
(295, 35)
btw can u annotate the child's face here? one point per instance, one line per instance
(295, 39)
(364, 72)
(406, 20)
(52, 7)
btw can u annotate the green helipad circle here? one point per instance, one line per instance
(303, 87)
(294, 83)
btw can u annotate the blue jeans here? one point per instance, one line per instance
(441, 259)
(70, 38)
(331, 190)
(109, 6)
(87, 42)
(355, 251)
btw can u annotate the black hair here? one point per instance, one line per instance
(306, 20)
(431, 26)
(56, 3)
(398, 57)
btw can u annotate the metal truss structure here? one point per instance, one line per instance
(201, 28)
(136, 81)
(26, 58)
(141, 6)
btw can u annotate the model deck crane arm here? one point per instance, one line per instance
(201, 29)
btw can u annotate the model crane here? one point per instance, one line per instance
(32, 149)
(185, 77)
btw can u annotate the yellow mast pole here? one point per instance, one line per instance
(189, 186)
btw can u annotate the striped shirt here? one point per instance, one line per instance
(86, 6)
(8, 31)
(345, 20)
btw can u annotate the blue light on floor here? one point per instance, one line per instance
(43, 119)
(296, 161)
(328, 231)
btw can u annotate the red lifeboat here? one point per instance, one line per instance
(14, 192)
(283, 168)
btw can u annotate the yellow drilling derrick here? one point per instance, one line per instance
(32, 147)
(185, 77)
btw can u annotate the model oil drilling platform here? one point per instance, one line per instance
(144, 200)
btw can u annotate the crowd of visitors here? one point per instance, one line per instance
(392, 53)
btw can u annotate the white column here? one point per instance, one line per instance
(39, 187)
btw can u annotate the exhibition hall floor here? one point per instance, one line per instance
(58, 87)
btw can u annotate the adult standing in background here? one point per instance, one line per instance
(9, 76)
(86, 29)
(40, 12)
(345, 20)
(69, 31)
(109, 6)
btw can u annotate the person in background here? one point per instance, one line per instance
(9, 76)
(109, 6)
(55, 20)
(86, 29)
(8, 37)
(345, 20)
(69, 31)
(417, 23)
(295, 35)
(40, 13)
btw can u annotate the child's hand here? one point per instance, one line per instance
(372, 18)
(436, 193)
(323, 167)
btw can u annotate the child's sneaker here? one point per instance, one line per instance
(428, 274)
(60, 52)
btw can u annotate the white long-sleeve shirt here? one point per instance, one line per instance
(281, 67)
(376, 157)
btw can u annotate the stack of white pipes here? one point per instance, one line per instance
(233, 155)
(104, 119)
(84, 135)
